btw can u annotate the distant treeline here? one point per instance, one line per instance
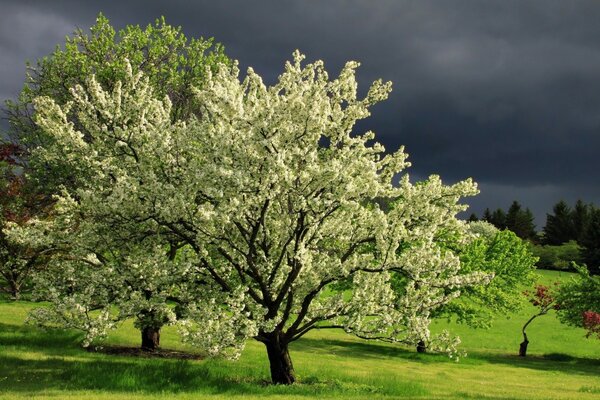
(570, 233)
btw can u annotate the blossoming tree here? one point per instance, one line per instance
(106, 256)
(274, 198)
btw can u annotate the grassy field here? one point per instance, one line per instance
(38, 364)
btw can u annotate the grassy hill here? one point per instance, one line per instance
(563, 364)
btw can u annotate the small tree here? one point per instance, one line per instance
(103, 274)
(579, 301)
(276, 198)
(544, 299)
(473, 218)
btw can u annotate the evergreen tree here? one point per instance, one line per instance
(529, 225)
(590, 242)
(487, 216)
(559, 227)
(520, 221)
(580, 216)
(473, 218)
(498, 219)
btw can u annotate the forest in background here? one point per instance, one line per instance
(571, 233)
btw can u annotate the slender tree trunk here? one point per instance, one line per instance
(150, 338)
(421, 347)
(523, 346)
(282, 370)
(525, 342)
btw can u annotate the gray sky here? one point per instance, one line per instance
(506, 92)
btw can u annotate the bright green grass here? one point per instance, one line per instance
(37, 364)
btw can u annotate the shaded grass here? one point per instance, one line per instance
(30, 363)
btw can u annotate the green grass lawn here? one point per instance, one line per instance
(563, 364)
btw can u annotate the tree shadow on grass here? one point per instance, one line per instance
(52, 360)
(137, 375)
(50, 341)
(556, 362)
(59, 362)
(112, 375)
(372, 350)
(363, 349)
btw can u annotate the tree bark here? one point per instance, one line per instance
(421, 347)
(523, 346)
(15, 295)
(15, 291)
(282, 370)
(150, 338)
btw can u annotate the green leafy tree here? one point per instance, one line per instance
(19, 202)
(579, 301)
(508, 259)
(560, 227)
(173, 64)
(173, 67)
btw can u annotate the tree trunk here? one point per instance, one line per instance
(150, 338)
(282, 370)
(15, 291)
(523, 347)
(525, 342)
(421, 347)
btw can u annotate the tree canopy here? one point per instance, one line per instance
(273, 197)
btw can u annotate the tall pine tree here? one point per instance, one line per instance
(580, 216)
(487, 216)
(520, 221)
(560, 226)
(499, 219)
(590, 242)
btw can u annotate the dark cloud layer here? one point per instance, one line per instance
(507, 92)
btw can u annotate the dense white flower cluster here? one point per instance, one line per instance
(270, 199)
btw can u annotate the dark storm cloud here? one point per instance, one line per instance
(507, 91)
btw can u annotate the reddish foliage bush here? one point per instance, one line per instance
(591, 322)
(543, 297)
